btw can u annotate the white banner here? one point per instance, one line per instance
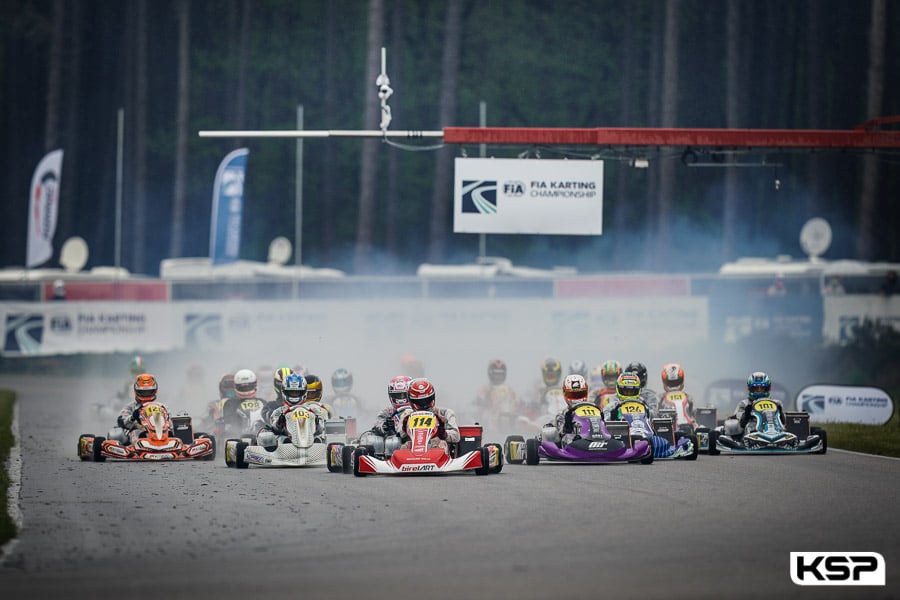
(846, 404)
(98, 327)
(499, 195)
(43, 207)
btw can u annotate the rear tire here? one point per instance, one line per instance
(96, 449)
(332, 449)
(356, 456)
(713, 441)
(531, 451)
(239, 461)
(347, 459)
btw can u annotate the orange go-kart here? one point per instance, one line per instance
(163, 438)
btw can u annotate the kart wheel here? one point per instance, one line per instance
(97, 447)
(82, 455)
(231, 451)
(331, 452)
(506, 444)
(498, 453)
(485, 468)
(531, 451)
(347, 459)
(713, 440)
(356, 456)
(824, 437)
(239, 461)
(211, 455)
(696, 451)
(648, 459)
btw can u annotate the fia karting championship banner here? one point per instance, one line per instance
(846, 404)
(500, 195)
(43, 208)
(228, 208)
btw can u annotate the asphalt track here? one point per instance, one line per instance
(720, 527)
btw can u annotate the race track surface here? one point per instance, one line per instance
(721, 527)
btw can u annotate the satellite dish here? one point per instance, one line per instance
(280, 250)
(815, 238)
(74, 254)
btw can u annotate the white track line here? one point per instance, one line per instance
(13, 494)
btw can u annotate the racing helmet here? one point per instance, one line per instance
(245, 383)
(342, 381)
(638, 369)
(398, 391)
(136, 366)
(628, 386)
(610, 372)
(496, 372)
(421, 394)
(575, 389)
(672, 377)
(278, 378)
(551, 371)
(293, 390)
(145, 388)
(577, 367)
(758, 385)
(313, 388)
(226, 386)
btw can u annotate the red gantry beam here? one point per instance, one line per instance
(864, 137)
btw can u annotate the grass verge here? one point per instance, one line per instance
(883, 440)
(7, 400)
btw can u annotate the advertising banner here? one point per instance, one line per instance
(499, 195)
(846, 404)
(228, 208)
(43, 207)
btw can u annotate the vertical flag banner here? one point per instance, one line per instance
(43, 209)
(228, 208)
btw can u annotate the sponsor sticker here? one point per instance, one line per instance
(837, 568)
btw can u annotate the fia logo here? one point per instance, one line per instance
(837, 568)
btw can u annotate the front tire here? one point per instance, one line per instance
(531, 451)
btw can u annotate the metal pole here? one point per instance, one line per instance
(482, 152)
(120, 137)
(298, 194)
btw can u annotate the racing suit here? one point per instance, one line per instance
(447, 433)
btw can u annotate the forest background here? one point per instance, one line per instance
(179, 66)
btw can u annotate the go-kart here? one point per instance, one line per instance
(767, 434)
(163, 438)
(668, 442)
(298, 448)
(421, 428)
(593, 443)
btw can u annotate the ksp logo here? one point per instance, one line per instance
(513, 189)
(837, 568)
(479, 197)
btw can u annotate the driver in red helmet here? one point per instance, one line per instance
(145, 391)
(421, 397)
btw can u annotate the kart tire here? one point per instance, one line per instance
(512, 438)
(239, 461)
(531, 451)
(485, 468)
(330, 450)
(499, 451)
(231, 449)
(96, 448)
(356, 456)
(347, 459)
(696, 442)
(713, 440)
(824, 436)
(78, 449)
(648, 460)
(211, 455)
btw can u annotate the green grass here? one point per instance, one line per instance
(7, 400)
(871, 439)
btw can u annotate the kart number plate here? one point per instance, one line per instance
(587, 411)
(764, 405)
(633, 408)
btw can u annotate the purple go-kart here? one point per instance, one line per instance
(594, 443)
